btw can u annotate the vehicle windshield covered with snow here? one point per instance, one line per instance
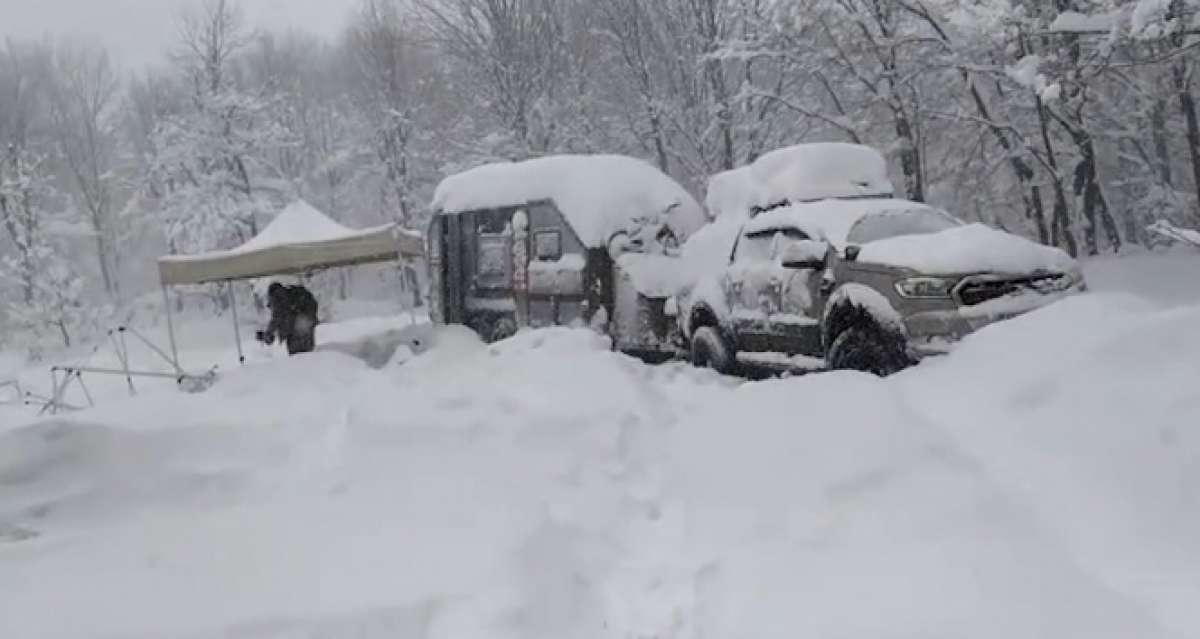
(560, 240)
(911, 221)
(859, 279)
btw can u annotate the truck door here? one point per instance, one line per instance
(749, 290)
(795, 324)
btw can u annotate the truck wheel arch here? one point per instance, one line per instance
(701, 315)
(857, 305)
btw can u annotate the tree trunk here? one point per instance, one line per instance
(1095, 205)
(1034, 209)
(660, 146)
(1062, 223)
(910, 158)
(1158, 130)
(62, 328)
(1187, 104)
(106, 274)
(1061, 233)
(1083, 189)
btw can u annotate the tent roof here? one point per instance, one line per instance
(298, 240)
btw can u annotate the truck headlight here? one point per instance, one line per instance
(927, 287)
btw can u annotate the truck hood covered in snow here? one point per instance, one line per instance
(600, 195)
(971, 248)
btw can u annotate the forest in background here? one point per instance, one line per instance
(1072, 122)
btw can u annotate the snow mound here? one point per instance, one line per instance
(1095, 431)
(1039, 481)
(972, 248)
(600, 195)
(799, 526)
(800, 173)
(734, 193)
(653, 275)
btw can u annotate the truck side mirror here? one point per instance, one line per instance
(805, 254)
(852, 252)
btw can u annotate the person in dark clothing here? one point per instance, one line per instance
(293, 318)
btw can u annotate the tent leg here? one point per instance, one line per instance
(237, 331)
(171, 332)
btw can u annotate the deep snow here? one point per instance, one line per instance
(1041, 481)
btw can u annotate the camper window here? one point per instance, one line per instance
(547, 245)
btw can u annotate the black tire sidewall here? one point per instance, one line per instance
(710, 349)
(867, 349)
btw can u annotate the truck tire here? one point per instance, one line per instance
(710, 349)
(868, 348)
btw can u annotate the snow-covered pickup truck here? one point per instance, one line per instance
(870, 282)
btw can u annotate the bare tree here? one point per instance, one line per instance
(514, 50)
(85, 96)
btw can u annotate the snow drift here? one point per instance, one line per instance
(1039, 482)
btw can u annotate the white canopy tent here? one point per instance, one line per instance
(300, 239)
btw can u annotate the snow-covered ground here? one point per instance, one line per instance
(1041, 481)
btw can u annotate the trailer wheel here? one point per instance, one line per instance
(710, 349)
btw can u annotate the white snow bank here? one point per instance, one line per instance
(800, 173)
(709, 250)
(704, 259)
(858, 518)
(654, 275)
(972, 248)
(600, 195)
(1039, 481)
(733, 193)
(1091, 424)
(1176, 233)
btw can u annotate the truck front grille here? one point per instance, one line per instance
(974, 291)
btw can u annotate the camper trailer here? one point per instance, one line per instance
(561, 240)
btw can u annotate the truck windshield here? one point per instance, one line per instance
(885, 224)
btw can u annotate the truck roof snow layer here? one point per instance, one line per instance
(800, 173)
(600, 195)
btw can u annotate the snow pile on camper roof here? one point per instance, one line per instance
(800, 173)
(600, 195)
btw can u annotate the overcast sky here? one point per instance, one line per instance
(139, 31)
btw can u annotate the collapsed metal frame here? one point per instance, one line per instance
(61, 377)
